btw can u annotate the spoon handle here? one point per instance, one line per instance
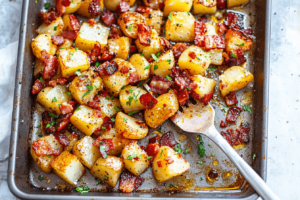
(250, 175)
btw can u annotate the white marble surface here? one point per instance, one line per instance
(283, 174)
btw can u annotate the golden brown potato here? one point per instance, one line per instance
(154, 47)
(164, 64)
(153, 3)
(211, 29)
(205, 7)
(166, 107)
(39, 67)
(128, 23)
(118, 140)
(235, 39)
(204, 85)
(84, 8)
(67, 45)
(216, 56)
(54, 28)
(73, 7)
(43, 42)
(177, 6)
(154, 18)
(120, 46)
(73, 137)
(130, 98)
(130, 127)
(141, 65)
(232, 3)
(108, 105)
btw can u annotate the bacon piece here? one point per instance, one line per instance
(159, 163)
(200, 30)
(133, 78)
(221, 29)
(74, 22)
(234, 20)
(38, 86)
(182, 96)
(144, 9)
(133, 49)
(228, 61)
(51, 64)
(93, 56)
(240, 58)
(213, 42)
(233, 114)
(231, 99)
(148, 100)
(94, 8)
(221, 4)
(165, 44)
(181, 82)
(107, 123)
(108, 18)
(95, 104)
(62, 139)
(92, 22)
(43, 148)
(71, 35)
(129, 182)
(178, 48)
(223, 124)
(248, 31)
(240, 135)
(144, 34)
(108, 68)
(105, 145)
(154, 139)
(192, 55)
(52, 83)
(65, 122)
(152, 149)
(161, 6)
(124, 69)
(205, 99)
(123, 7)
(115, 30)
(244, 132)
(160, 84)
(168, 139)
(61, 81)
(105, 54)
(203, 19)
(227, 137)
(67, 107)
(60, 6)
(57, 40)
(48, 122)
(169, 160)
(47, 18)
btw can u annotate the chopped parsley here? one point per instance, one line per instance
(54, 99)
(170, 16)
(41, 178)
(132, 156)
(69, 93)
(79, 179)
(212, 69)
(52, 115)
(105, 177)
(117, 109)
(98, 181)
(38, 126)
(47, 5)
(232, 55)
(97, 64)
(169, 61)
(41, 80)
(78, 73)
(51, 124)
(213, 154)
(185, 152)
(178, 149)
(246, 108)
(154, 57)
(201, 178)
(82, 189)
(200, 162)
(254, 155)
(159, 129)
(155, 67)
(201, 149)
(149, 157)
(76, 49)
(188, 13)
(161, 153)
(168, 77)
(130, 90)
(71, 53)
(103, 127)
(141, 52)
(125, 119)
(78, 108)
(90, 88)
(131, 113)
(173, 185)
(240, 45)
(224, 109)
(55, 28)
(130, 27)
(148, 67)
(188, 88)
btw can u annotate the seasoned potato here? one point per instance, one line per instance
(216, 56)
(43, 42)
(205, 7)
(163, 171)
(154, 18)
(89, 36)
(166, 107)
(234, 79)
(204, 85)
(52, 97)
(108, 105)
(67, 45)
(211, 29)
(73, 7)
(72, 60)
(132, 151)
(128, 23)
(39, 67)
(141, 65)
(84, 87)
(153, 3)
(68, 167)
(180, 27)
(130, 98)
(86, 119)
(164, 64)
(199, 64)
(115, 82)
(84, 8)
(108, 170)
(232, 3)
(54, 28)
(120, 46)
(177, 5)
(43, 161)
(154, 47)
(235, 39)
(73, 137)
(118, 140)
(86, 152)
(129, 127)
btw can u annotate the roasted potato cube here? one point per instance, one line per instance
(84, 8)
(141, 65)
(109, 104)
(167, 164)
(73, 7)
(130, 127)
(130, 153)
(86, 119)
(43, 42)
(232, 3)
(108, 170)
(52, 97)
(67, 45)
(84, 87)
(54, 28)
(216, 56)
(128, 22)
(234, 79)
(204, 85)
(89, 36)
(194, 59)
(205, 7)
(235, 39)
(154, 18)
(153, 3)
(120, 46)
(130, 98)
(154, 47)
(113, 4)
(115, 82)
(73, 137)
(211, 29)
(163, 66)
(39, 67)
(86, 152)
(166, 107)
(177, 6)
(118, 140)
(43, 159)
(180, 27)
(68, 167)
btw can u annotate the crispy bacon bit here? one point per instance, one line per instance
(92, 22)
(108, 18)
(159, 163)
(203, 19)
(154, 139)
(43, 148)
(168, 139)
(148, 100)
(223, 124)
(178, 48)
(57, 40)
(144, 34)
(244, 132)
(182, 96)
(165, 44)
(133, 49)
(169, 160)
(65, 122)
(104, 145)
(51, 64)
(240, 58)
(95, 8)
(105, 54)
(73, 134)
(129, 182)
(160, 84)
(248, 31)
(221, 29)
(52, 83)
(38, 86)
(124, 69)
(47, 18)
(240, 135)
(161, 6)
(108, 68)
(95, 104)
(48, 122)
(228, 61)
(213, 42)
(234, 20)
(192, 55)
(74, 22)
(62, 139)
(231, 99)
(123, 7)
(144, 9)
(61, 81)
(71, 35)
(67, 107)
(221, 4)
(115, 30)
(181, 82)
(233, 114)
(200, 30)
(107, 123)
(152, 149)
(66, 3)
(133, 78)
(93, 56)
(205, 99)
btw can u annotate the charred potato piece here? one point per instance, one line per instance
(235, 39)
(164, 64)
(118, 140)
(154, 47)
(128, 23)
(130, 98)
(43, 42)
(177, 6)
(205, 7)
(141, 65)
(84, 10)
(54, 28)
(120, 46)
(204, 85)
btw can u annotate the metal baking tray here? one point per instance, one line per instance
(23, 172)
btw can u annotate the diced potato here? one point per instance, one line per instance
(130, 98)
(67, 22)
(180, 27)
(232, 3)
(154, 47)
(216, 56)
(86, 119)
(211, 29)
(89, 36)
(136, 166)
(128, 22)
(43, 42)
(234, 79)
(108, 170)
(166, 107)
(112, 4)
(205, 7)
(54, 28)
(68, 167)
(235, 39)
(67, 45)
(84, 88)
(72, 60)
(73, 139)
(164, 64)
(43, 161)
(197, 65)
(108, 105)
(204, 85)
(73, 7)
(38, 67)
(118, 140)
(177, 6)
(52, 97)
(153, 3)
(115, 82)
(167, 171)
(129, 127)
(141, 65)
(84, 8)
(86, 152)
(154, 18)
(120, 46)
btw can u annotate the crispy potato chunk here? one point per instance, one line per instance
(216, 56)
(55, 28)
(204, 85)
(128, 23)
(73, 7)
(84, 8)
(43, 42)
(235, 39)
(154, 47)
(120, 46)
(118, 141)
(108, 105)
(163, 66)
(232, 3)
(205, 7)
(130, 98)
(154, 19)
(141, 65)
(67, 45)
(177, 6)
